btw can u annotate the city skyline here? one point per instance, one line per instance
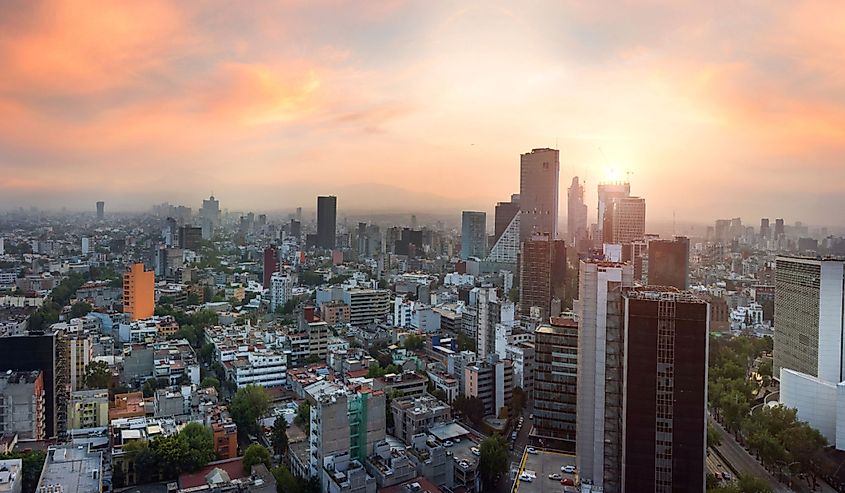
(270, 106)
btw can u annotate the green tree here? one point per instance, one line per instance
(165, 300)
(471, 407)
(97, 375)
(413, 342)
(248, 405)
(80, 309)
(200, 443)
(31, 464)
(303, 417)
(210, 382)
(714, 438)
(279, 436)
(493, 460)
(171, 455)
(518, 401)
(256, 454)
(192, 299)
(149, 387)
(465, 343)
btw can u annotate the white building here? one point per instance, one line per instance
(281, 290)
(264, 368)
(86, 245)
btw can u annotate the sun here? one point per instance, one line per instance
(613, 174)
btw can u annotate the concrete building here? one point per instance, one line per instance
(665, 392)
(335, 313)
(267, 368)
(22, 408)
(415, 415)
(88, 409)
(138, 292)
(367, 306)
(209, 217)
(11, 476)
(342, 473)
(624, 220)
(490, 312)
(326, 222)
(539, 182)
(668, 262)
(101, 210)
(504, 214)
(492, 382)
(281, 290)
(556, 384)
(72, 469)
(600, 372)
(542, 276)
(473, 235)
(271, 264)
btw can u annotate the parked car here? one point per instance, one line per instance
(526, 477)
(531, 450)
(568, 469)
(475, 451)
(567, 482)
(555, 476)
(448, 443)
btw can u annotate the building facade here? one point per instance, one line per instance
(326, 221)
(473, 235)
(542, 275)
(556, 384)
(138, 292)
(539, 183)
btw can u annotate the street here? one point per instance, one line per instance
(742, 462)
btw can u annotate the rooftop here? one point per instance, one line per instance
(75, 468)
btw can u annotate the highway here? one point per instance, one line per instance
(742, 462)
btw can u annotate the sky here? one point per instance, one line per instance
(711, 109)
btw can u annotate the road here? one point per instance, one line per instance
(743, 462)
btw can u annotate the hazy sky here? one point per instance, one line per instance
(716, 108)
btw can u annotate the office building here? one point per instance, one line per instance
(209, 217)
(765, 230)
(624, 220)
(555, 384)
(473, 235)
(88, 409)
(281, 290)
(138, 292)
(607, 192)
(779, 229)
(45, 352)
(542, 276)
(80, 355)
(491, 312)
(326, 222)
(86, 245)
(539, 181)
(22, 407)
(414, 415)
(808, 342)
(271, 264)
(668, 262)
(101, 210)
(576, 213)
(190, 237)
(664, 392)
(504, 214)
(367, 306)
(598, 429)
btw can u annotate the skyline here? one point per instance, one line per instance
(422, 104)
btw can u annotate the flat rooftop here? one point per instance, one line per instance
(75, 468)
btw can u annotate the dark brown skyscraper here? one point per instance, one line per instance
(271, 264)
(542, 274)
(505, 212)
(668, 262)
(326, 221)
(555, 383)
(665, 391)
(539, 176)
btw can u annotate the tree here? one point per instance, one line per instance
(79, 309)
(752, 484)
(97, 375)
(303, 417)
(279, 437)
(256, 454)
(150, 387)
(200, 443)
(518, 401)
(413, 342)
(165, 300)
(248, 405)
(210, 382)
(192, 299)
(493, 460)
(471, 407)
(714, 438)
(376, 371)
(439, 394)
(32, 463)
(465, 343)
(171, 455)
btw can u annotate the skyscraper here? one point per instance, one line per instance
(505, 212)
(473, 234)
(765, 230)
(101, 210)
(326, 221)
(539, 181)
(664, 391)
(624, 220)
(608, 191)
(809, 346)
(542, 275)
(668, 262)
(138, 292)
(576, 213)
(556, 383)
(779, 229)
(271, 264)
(600, 372)
(209, 217)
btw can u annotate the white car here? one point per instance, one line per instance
(531, 450)
(448, 443)
(475, 451)
(526, 477)
(570, 469)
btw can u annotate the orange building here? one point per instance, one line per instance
(139, 292)
(225, 440)
(129, 405)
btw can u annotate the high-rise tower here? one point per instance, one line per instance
(576, 213)
(326, 221)
(539, 179)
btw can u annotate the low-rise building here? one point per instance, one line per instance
(11, 476)
(72, 469)
(22, 405)
(405, 384)
(88, 409)
(415, 415)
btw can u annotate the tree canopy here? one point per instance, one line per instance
(97, 375)
(248, 405)
(256, 454)
(493, 460)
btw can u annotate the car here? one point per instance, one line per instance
(531, 417)
(531, 450)
(448, 443)
(457, 440)
(567, 482)
(568, 469)
(555, 476)
(475, 451)
(526, 477)
(513, 436)
(726, 476)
